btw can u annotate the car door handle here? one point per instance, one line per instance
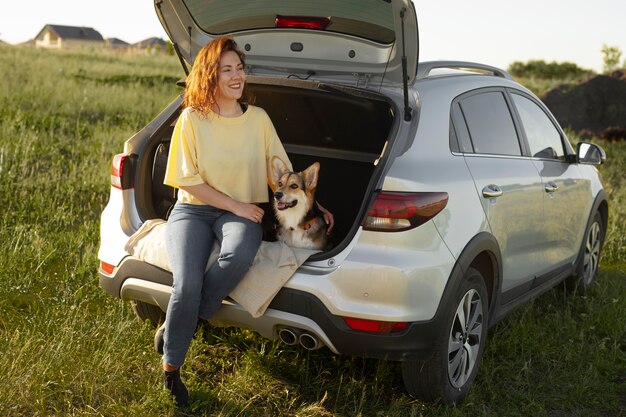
(551, 187)
(492, 190)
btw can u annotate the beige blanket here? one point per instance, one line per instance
(273, 265)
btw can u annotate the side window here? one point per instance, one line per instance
(490, 124)
(458, 129)
(454, 140)
(543, 138)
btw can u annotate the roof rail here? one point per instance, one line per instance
(424, 68)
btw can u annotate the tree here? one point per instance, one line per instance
(611, 56)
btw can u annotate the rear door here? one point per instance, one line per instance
(366, 39)
(566, 193)
(506, 181)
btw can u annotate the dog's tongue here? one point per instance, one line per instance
(283, 206)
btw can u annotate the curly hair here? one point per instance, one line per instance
(201, 85)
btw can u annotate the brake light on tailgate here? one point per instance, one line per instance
(120, 163)
(302, 22)
(395, 211)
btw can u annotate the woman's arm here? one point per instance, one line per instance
(328, 217)
(209, 195)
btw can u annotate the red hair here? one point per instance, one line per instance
(201, 85)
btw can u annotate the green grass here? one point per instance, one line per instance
(68, 349)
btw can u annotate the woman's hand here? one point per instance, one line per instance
(328, 218)
(248, 211)
(209, 195)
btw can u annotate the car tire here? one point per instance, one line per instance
(449, 374)
(148, 312)
(587, 267)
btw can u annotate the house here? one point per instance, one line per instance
(69, 37)
(118, 45)
(151, 45)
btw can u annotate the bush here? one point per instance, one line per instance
(610, 58)
(547, 70)
(613, 133)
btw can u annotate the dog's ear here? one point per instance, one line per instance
(278, 168)
(310, 175)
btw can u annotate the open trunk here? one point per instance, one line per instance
(344, 129)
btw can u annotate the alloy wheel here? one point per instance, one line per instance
(592, 253)
(465, 338)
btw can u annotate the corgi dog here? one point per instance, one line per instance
(301, 223)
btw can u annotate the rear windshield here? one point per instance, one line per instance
(369, 19)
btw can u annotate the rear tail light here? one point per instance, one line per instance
(107, 268)
(375, 326)
(302, 22)
(398, 211)
(118, 180)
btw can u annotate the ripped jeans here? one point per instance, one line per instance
(197, 291)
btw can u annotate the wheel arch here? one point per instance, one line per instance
(600, 205)
(482, 253)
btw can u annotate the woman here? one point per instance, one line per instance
(219, 160)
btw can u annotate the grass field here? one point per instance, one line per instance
(67, 349)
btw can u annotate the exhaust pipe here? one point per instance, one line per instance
(309, 341)
(288, 336)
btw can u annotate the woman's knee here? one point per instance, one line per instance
(238, 234)
(240, 258)
(187, 288)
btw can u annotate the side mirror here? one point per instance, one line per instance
(589, 153)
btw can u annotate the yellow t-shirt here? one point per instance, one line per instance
(232, 155)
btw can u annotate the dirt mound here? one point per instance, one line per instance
(595, 106)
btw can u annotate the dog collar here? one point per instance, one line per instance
(310, 223)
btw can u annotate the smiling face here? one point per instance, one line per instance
(216, 81)
(231, 78)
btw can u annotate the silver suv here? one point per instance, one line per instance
(457, 196)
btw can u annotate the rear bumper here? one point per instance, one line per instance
(290, 308)
(414, 343)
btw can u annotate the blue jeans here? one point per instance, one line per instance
(198, 292)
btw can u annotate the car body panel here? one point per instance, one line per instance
(114, 229)
(386, 276)
(271, 50)
(516, 217)
(419, 169)
(563, 208)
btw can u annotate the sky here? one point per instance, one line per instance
(487, 31)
